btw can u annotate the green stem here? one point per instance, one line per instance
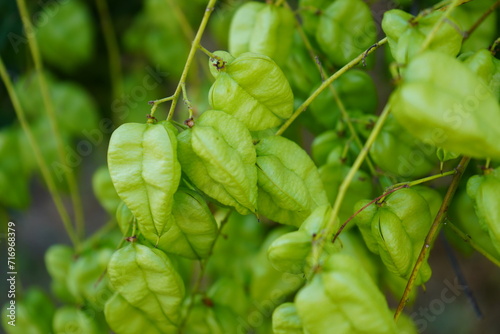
(436, 27)
(336, 96)
(347, 181)
(433, 232)
(108, 30)
(192, 52)
(465, 237)
(208, 53)
(154, 104)
(186, 101)
(47, 176)
(327, 83)
(425, 179)
(50, 110)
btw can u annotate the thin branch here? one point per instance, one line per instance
(192, 52)
(481, 19)
(47, 176)
(327, 83)
(433, 232)
(50, 110)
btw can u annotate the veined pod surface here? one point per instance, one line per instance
(343, 298)
(345, 30)
(146, 279)
(485, 192)
(143, 165)
(289, 184)
(487, 67)
(443, 102)
(253, 89)
(218, 156)
(396, 229)
(123, 318)
(192, 228)
(262, 28)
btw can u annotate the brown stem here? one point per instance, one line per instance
(481, 19)
(433, 232)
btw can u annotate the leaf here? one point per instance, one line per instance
(218, 156)
(289, 184)
(253, 89)
(146, 278)
(142, 160)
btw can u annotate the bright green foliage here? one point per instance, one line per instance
(142, 160)
(395, 229)
(343, 296)
(253, 89)
(444, 103)
(345, 30)
(289, 184)
(262, 28)
(406, 34)
(485, 193)
(218, 156)
(66, 39)
(147, 280)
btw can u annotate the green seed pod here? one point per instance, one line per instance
(406, 34)
(124, 218)
(286, 320)
(207, 317)
(67, 39)
(485, 193)
(289, 184)
(289, 252)
(349, 88)
(257, 27)
(228, 292)
(146, 279)
(192, 228)
(345, 30)
(401, 154)
(70, 319)
(84, 279)
(396, 229)
(253, 89)
(487, 67)
(142, 160)
(123, 318)
(343, 299)
(58, 261)
(460, 115)
(215, 65)
(311, 12)
(104, 189)
(218, 155)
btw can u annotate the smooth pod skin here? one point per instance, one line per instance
(289, 184)
(253, 89)
(443, 102)
(406, 34)
(289, 252)
(104, 189)
(485, 192)
(58, 261)
(487, 67)
(143, 165)
(264, 29)
(70, 317)
(345, 30)
(286, 320)
(218, 156)
(146, 278)
(345, 298)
